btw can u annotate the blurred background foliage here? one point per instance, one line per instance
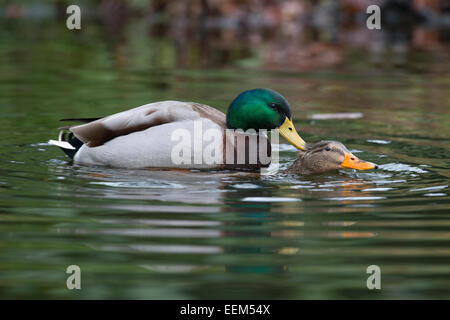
(284, 35)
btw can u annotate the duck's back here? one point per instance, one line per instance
(100, 131)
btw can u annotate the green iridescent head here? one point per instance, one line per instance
(263, 109)
(258, 109)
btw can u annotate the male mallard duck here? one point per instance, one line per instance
(153, 134)
(327, 156)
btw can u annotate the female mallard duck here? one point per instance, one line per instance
(159, 134)
(327, 156)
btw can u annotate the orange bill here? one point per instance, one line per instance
(352, 162)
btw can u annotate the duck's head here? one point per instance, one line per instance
(326, 156)
(263, 109)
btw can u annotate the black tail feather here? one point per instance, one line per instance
(86, 120)
(75, 142)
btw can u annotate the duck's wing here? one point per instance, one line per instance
(99, 131)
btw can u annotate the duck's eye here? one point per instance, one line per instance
(272, 105)
(328, 149)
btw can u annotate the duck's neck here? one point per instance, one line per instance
(297, 166)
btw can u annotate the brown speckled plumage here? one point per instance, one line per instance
(318, 159)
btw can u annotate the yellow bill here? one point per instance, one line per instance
(352, 162)
(287, 131)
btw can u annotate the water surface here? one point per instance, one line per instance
(198, 235)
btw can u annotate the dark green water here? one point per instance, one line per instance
(174, 235)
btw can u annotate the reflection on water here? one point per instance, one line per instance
(143, 233)
(179, 234)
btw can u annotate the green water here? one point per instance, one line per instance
(140, 234)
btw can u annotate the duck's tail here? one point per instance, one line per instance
(67, 142)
